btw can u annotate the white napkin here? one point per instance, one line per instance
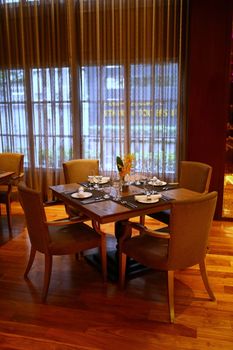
(105, 179)
(156, 182)
(82, 194)
(144, 197)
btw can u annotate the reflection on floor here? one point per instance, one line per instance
(228, 196)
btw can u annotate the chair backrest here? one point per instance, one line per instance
(32, 205)
(190, 223)
(12, 162)
(77, 170)
(195, 176)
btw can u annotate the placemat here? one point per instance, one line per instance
(97, 195)
(130, 199)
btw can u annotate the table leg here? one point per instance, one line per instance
(133, 268)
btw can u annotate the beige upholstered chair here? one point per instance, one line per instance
(8, 190)
(76, 171)
(194, 176)
(183, 246)
(61, 237)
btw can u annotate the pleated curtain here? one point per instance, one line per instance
(93, 79)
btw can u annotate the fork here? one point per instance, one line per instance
(129, 204)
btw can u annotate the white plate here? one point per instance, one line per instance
(148, 201)
(104, 180)
(143, 199)
(157, 183)
(81, 195)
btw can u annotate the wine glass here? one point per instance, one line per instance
(97, 180)
(107, 190)
(117, 186)
(91, 181)
(137, 179)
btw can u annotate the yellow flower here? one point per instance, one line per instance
(124, 166)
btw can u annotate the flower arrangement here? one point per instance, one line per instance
(124, 166)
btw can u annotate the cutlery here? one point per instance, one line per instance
(90, 201)
(166, 198)
(85, 185)
(70, 192)
(129, 204)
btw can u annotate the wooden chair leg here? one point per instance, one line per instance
(204, 276)
(102, 248)
(30, 262)
(170, 283)
(47, 275)
(8, 211)
(103, 254)
(142, 220)
(122, 269)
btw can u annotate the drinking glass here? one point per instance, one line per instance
(137, 179)
(107, 190)
(117, 189)
(97, 180)
(91, 182)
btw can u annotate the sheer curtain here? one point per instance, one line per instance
(131, 73)
(91, 79)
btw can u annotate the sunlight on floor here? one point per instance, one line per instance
(228, 196)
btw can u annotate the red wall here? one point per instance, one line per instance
(208, 86)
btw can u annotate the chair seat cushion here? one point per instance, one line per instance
(148, 250)
(69, 239)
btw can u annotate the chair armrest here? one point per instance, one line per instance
(81, 217)
(16, 177)
(144, 229)
(62, 222)
(157, 234)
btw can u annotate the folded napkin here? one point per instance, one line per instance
(156, 182)
(82, 194)
(105, 179)
(144, 197)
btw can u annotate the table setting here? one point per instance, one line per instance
(131, 191)
(137, 196)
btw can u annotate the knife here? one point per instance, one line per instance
(89, 201)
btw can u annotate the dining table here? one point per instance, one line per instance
(103, 210)
(5, 176)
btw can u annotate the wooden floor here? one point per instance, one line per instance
(83, 313)
(228, 196)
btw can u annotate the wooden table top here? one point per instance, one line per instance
(5, 175)
(107, 211)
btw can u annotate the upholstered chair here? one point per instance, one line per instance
(76, 171)
(8, 190)
(62, 237)
(194, 176)
(182, 246)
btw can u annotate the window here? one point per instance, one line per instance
(91, 79)
(103, 113)
(51, 110)
(48, 98)
(13, 123)
(150, 118)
